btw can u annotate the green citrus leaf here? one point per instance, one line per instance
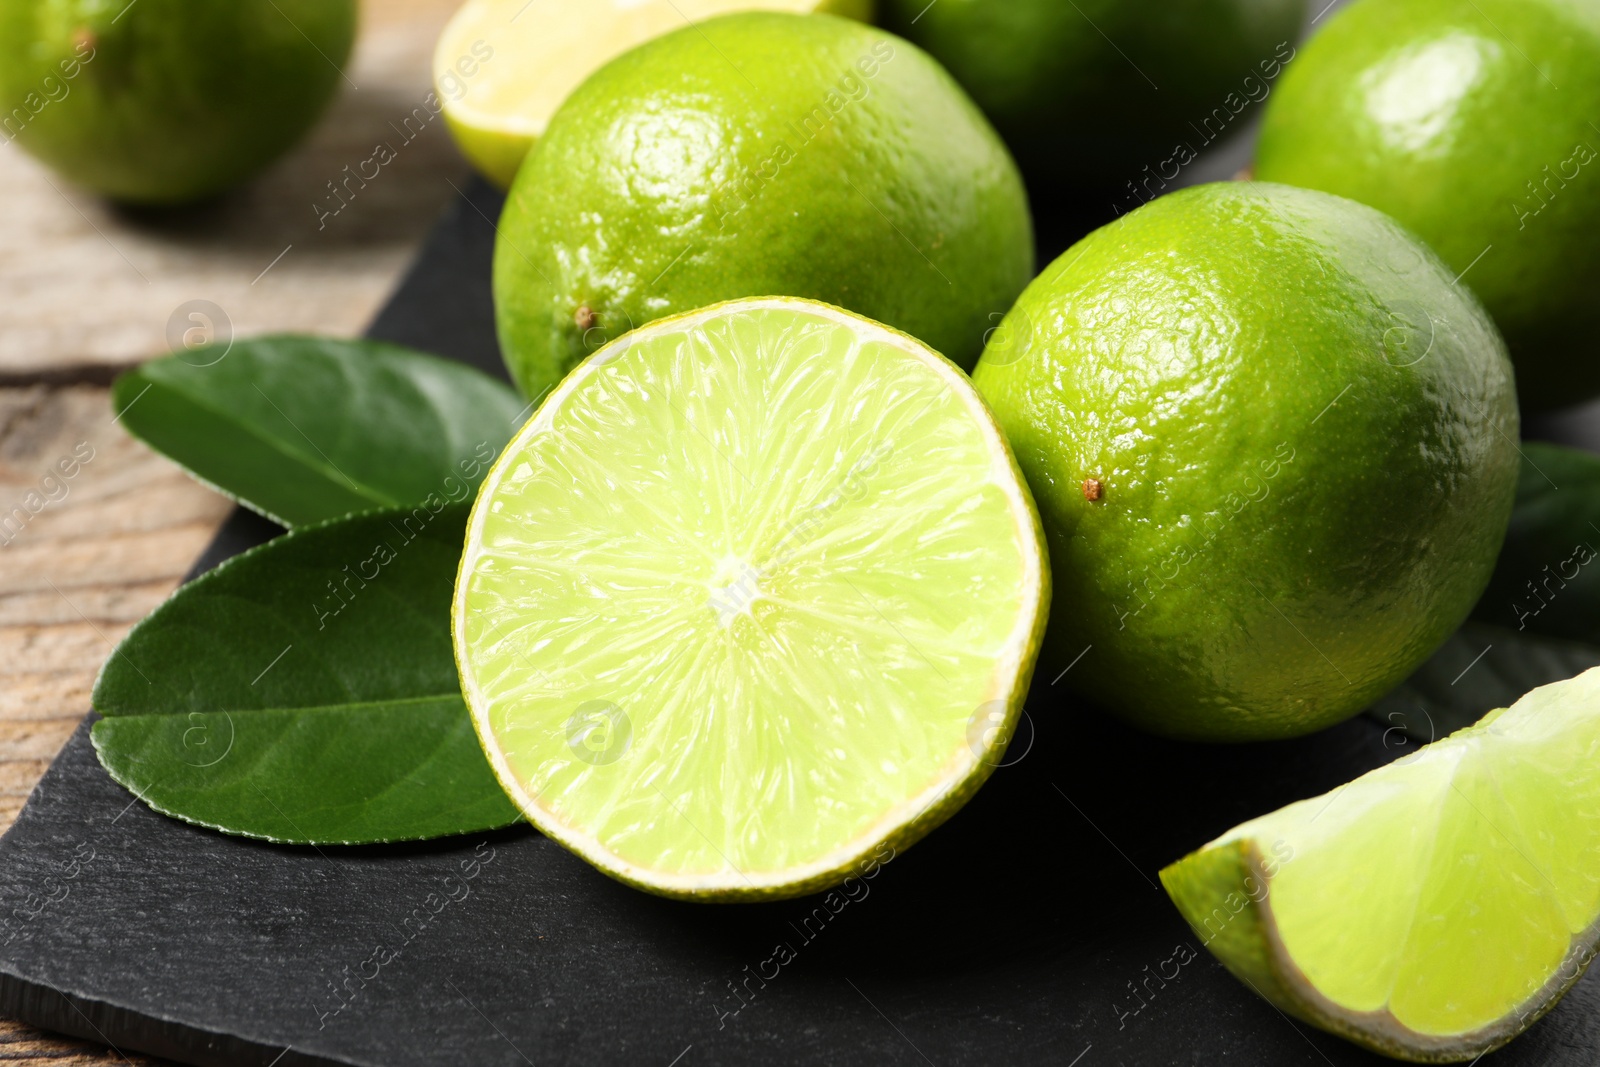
(304, 429)
(306, 692)
(1547, 580)
(1539, 620)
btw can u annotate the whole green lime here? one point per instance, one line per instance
(165, 101)
(1108, 96)
(1274, 447)
(1476, 123)
(760, 154)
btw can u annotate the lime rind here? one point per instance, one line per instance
(1434, 908)
(1250, 946)
(715, 831)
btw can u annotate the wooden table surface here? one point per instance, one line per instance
(90, 289)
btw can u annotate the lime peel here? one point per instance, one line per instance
(1295, 501)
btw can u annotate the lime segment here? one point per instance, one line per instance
(756, 591)
(501, 68)
(1433, 908)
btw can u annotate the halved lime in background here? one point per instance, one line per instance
(753, 600)
(1431, 909)
(502, 67)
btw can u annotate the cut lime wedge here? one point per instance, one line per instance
(501, 68)
(751, 602)
(1432, 909)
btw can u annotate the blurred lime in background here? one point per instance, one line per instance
(1476, 123)
(166, 101)
(1090, 94)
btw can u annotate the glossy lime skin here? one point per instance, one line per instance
(760, 154)
(1305, 437)
(166, 101)
(1087, 94)
(1474, 123)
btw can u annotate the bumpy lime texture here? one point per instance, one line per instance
(1304, 439)
(753, 598)
(1474, 123)
(1433, 908)
(753, 155)
(164, 101)
(1092, 92)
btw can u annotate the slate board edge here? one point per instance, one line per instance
(49, 1007)
(23, 1000)
(459, 335)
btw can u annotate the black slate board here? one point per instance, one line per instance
(1018, 933)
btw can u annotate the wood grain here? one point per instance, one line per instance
(82, 558)
(91, 289)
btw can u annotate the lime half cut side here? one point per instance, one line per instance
(1434, 908)
(501, 68)
(752, 600)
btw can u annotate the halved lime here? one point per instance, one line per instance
(1434, 908)
(751, 602)
(502, 67)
